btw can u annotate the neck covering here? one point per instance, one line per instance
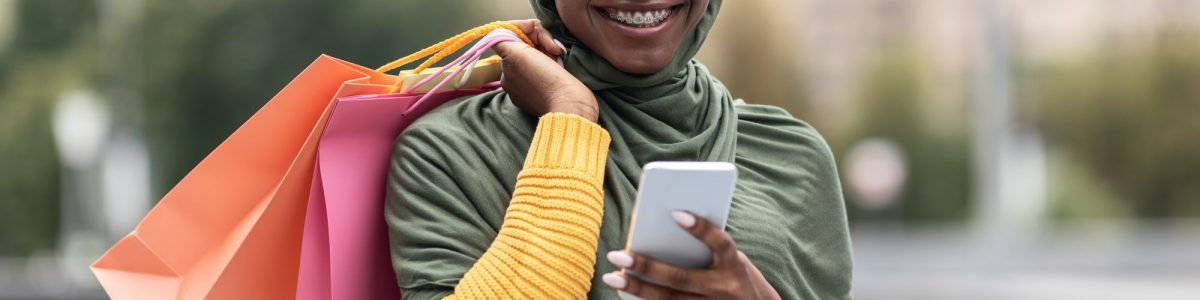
(680, 113)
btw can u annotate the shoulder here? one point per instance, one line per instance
(776, 146)
(789, 165)
(484, 124)
(773, 128)
(471, 116)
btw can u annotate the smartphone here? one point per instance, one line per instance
(704, 189)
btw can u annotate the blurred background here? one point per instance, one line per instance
(989, 149)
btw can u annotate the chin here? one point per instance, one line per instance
(647, 60)
(638, 37)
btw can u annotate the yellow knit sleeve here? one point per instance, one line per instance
(546, 248)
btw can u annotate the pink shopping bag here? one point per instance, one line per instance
(345, 252)
(232, 228)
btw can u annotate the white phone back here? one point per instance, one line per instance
(702, 188)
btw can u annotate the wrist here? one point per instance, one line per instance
(591, 113)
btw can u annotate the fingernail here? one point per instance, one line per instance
(560, 45)
(614, 280)
(685, 220)
(620, 259)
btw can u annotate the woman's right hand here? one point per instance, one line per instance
(536, 83)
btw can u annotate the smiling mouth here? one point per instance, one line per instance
(639, 18)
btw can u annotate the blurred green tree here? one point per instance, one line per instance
(208, 67)
(49, 52)
(1129, 112)
(938, 183)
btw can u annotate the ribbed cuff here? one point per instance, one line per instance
(567, 141)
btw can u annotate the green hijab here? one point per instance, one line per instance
(695, 108)
(453, 171)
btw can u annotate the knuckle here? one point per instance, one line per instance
(634, 287)
(723, 245)
(701, 228)
(727, 290)
(724, 288)
(673, 295)
(742, 257)
(639, 265)
(503, 50)
(510, 51)
(678, 278)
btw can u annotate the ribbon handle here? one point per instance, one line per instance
(466, 62)
(442, 49)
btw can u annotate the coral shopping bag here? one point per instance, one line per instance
(232, 228)
(345, 249)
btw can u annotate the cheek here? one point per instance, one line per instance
(572, 11)
(575, 16)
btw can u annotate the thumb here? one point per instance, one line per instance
(510, 48)
(526, 25)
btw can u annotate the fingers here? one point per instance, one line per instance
(544, 40)
(642, 289)
(662, 273)
(509, 49)
(723, 248)
(526, 25)
(539, 35)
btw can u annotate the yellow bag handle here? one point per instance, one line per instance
(444, 48)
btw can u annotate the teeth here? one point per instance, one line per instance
(639, 18)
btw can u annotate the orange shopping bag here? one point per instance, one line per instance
(346, 251)
(232, 228)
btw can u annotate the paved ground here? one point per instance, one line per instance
(1102, 260)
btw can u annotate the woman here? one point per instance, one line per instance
(515, 193)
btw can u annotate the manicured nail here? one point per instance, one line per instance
(614, 280)
(685, 220)
(560, 45)
(620, 259)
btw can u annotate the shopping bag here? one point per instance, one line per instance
(232, 228)
(345, 248)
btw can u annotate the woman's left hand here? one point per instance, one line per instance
(731, 275)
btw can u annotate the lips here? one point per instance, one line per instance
(639, 17)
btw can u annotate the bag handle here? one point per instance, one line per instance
(442, 49)
(463, 63)
(467, 60)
